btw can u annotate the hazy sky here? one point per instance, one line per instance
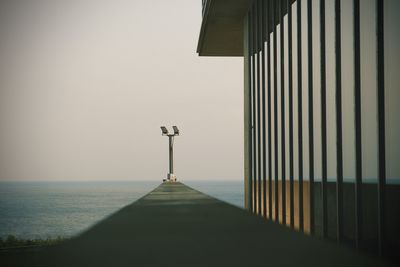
(86, 84)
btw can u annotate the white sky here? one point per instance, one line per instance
(85, 86)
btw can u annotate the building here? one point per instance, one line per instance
(321, 125)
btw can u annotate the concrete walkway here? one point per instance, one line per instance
(175, 225)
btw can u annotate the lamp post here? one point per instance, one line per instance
(171, 177)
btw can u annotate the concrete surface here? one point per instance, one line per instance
(175, 225)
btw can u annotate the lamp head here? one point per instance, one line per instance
(164, 130)
(176, 130)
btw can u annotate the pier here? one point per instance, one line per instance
(175, 225)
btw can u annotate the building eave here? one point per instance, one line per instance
(221, 31)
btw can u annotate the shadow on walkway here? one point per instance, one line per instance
(175, 225)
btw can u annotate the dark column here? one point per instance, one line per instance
(381, 127)
(290, 91)
(310, 114)
(258, 35)
(323, 122)
(274, 11)
(250, 112)
(339, 144)
(357, 124)
(264, 154)
(250, 40)
(254, 111)
(283, 137)
(269, 26)
(300, 115)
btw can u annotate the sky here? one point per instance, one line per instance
(86, 84)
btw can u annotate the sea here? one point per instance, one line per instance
(31, 210)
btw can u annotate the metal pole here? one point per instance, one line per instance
(171, 154)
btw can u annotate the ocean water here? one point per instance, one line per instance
(231, 192)
(52, 209)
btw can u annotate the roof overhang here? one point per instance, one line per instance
(221, 31)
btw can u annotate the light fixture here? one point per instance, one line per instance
(171, 177)
(176, 131)
(164, 130)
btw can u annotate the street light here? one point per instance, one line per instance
(164, 130)
(171, 177)
(176, 131)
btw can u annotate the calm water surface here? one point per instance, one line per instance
(52, 209)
